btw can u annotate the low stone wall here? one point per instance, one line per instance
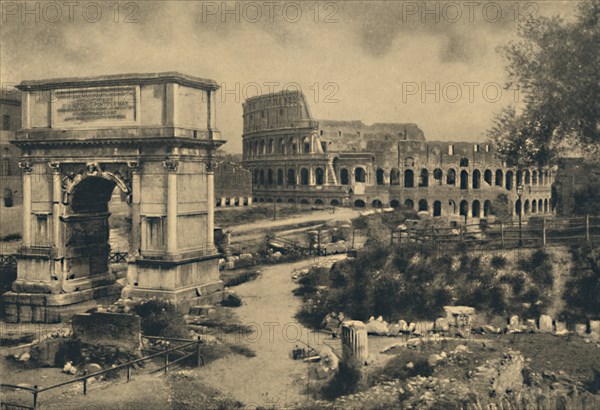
(109, 329)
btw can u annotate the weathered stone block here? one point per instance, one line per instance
(595, 330)
(546, 324)
(581, 329)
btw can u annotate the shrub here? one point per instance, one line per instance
(160, 318)
(345, 381)
(582, 289)
(498, 262)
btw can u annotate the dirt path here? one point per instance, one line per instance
(271, 378)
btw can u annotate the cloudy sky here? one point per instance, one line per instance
(435, 64)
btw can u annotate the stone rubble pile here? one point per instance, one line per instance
(460, 321)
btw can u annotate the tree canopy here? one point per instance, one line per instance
(555, 65)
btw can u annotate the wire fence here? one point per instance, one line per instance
(536, 233)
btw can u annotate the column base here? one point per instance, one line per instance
(185, 283)
(184, 299)
(23, 307)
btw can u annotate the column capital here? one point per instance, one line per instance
(171, 165)
(134, 166)
(211, 165)
(55, 166)
(26, 166)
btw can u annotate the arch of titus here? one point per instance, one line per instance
(150, 135)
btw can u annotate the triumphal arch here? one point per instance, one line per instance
(150, 135)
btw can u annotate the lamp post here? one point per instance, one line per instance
(519, 195)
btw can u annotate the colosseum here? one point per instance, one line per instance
(296, 159)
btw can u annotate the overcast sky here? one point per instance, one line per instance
(433, 64)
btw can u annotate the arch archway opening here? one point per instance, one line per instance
(87, 227)
(437, 208)
(360, 175)
(409, 178)
(359, 203)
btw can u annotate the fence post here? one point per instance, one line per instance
(128, 372)
(200, 362)
(85, 387)
(543, 231)
(502, 234)
(587, 228)
(35, 396)
(166, 362)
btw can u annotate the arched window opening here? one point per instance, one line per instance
(360, 175)
(527, 177)
(452, 206)
(464, 180)
(509, 180)
(409, 178)
(377, 203)
(344, 176)
(487, 206)
(476, 179)
(487, 177)
(464, 207)
(437, 208)
(526, 207)
(380, 176)
(270, 177)
(304, 176)
(424, 178)
(320, 176)
(306, 146)
(464, 162)
(476, 209)
(291, 176)
(534, 206)
(395, 176)
(280, 177)
(423, 206)
(499, 177)
(438, 175)
(409, 204)
(394, 203)
(451, 177)
(262, 177)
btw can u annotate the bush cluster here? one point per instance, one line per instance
(384, 281)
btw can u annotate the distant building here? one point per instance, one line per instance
(10, 174)
(295, 159)
(233, 184)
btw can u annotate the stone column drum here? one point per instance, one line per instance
(355, 343)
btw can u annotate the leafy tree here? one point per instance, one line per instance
(501, 207)
(555, 66)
